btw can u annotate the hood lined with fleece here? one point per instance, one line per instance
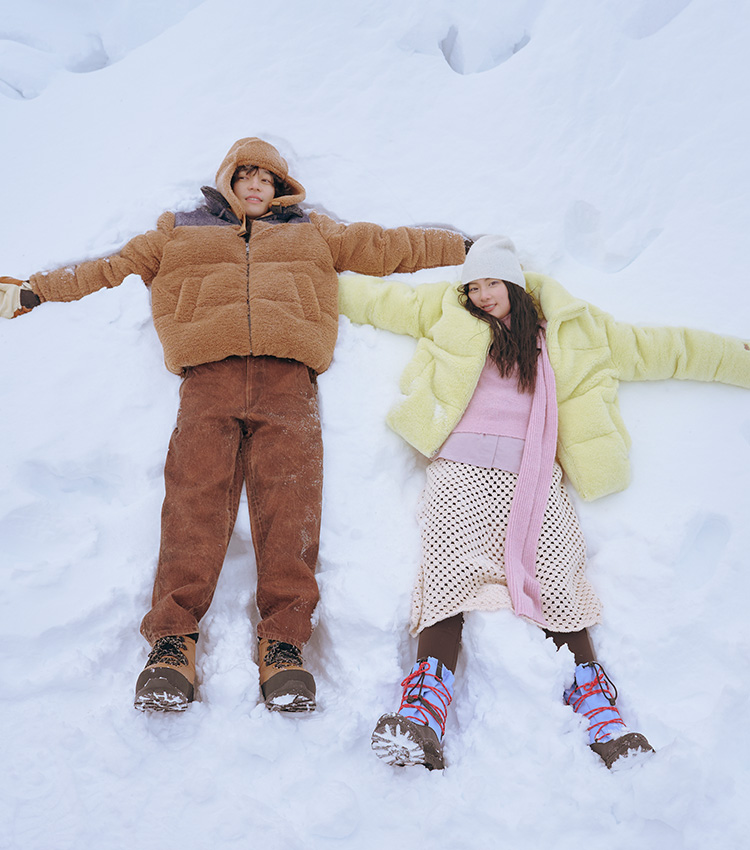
(253, 151)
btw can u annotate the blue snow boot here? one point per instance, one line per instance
(414, 734)
(594, 696)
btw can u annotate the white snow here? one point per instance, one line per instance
(611, 141)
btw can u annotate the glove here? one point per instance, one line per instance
(16, 297)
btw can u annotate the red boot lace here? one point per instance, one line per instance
(603, 685)
(417, 690)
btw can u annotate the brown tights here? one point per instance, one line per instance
(579, 643)
(443, 640)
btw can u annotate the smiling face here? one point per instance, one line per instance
(255, 188)
(490, 295)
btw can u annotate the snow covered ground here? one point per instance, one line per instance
(610, 140)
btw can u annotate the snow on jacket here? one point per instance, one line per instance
(222, 285)
(590, 353)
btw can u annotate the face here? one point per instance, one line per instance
(490, 295)
(255, 189)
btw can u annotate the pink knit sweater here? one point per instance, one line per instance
(492, 431)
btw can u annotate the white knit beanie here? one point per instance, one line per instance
(494, 257)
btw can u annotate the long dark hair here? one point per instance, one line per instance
(513, 345)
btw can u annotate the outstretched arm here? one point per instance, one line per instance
(369, 249)
(653, 354)
(141, 256)
(391, 305)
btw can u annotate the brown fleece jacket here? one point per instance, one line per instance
(224, 285)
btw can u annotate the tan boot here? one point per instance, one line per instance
(284, 682)
(167, 683)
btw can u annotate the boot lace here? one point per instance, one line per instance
(281, 654)
(426, 698)
(170, 649)
(600, 684)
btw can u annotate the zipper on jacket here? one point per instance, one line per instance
(249, 226)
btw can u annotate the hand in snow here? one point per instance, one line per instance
(16, 297)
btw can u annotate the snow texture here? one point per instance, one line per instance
(611, 141)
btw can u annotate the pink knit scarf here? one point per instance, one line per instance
(531, 496)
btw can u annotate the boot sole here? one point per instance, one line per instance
(632, 742)
(159, 694)
(402, 742)
(290, 690)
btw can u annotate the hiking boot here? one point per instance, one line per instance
(414, 734)
(594, 695)
(284, 682)
(167, 682)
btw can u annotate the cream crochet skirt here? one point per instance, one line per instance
(463, 514)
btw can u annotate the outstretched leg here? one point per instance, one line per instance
(414, 734)
(283, 461)
(594, 696)
(203, 480)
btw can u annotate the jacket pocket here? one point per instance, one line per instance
(307, 296)
(187, 300)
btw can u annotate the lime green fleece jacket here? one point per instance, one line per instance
(590, 353)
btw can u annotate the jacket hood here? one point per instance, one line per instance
(254, 151)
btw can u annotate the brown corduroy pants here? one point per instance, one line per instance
(252, 420)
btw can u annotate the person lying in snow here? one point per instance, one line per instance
(244, 300)
(513, 382)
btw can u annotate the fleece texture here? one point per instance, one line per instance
(255, 152)
(589, 350)
(223, 286)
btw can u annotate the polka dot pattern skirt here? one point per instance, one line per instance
(463, 515)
